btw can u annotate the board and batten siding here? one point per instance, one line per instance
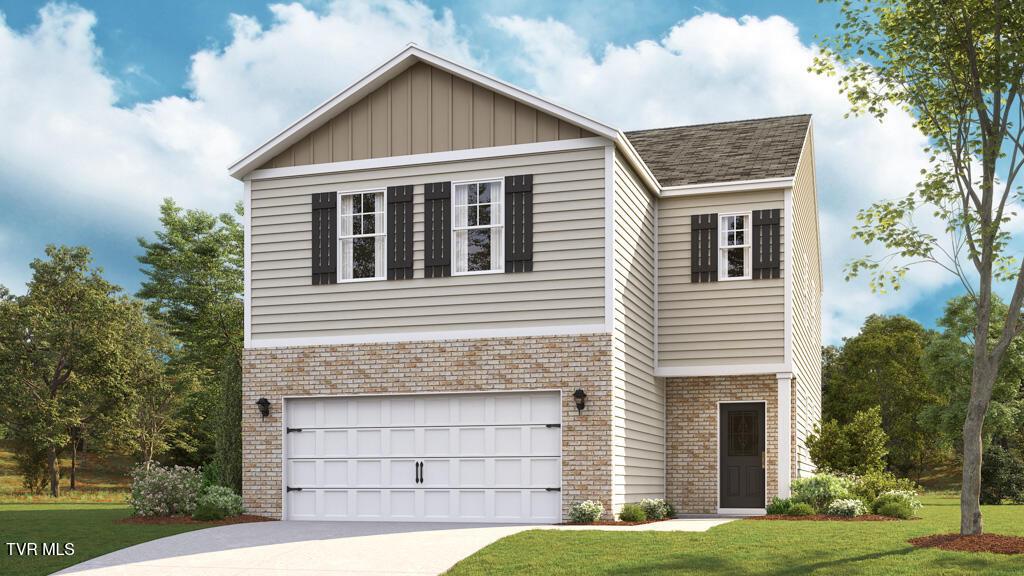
(425, 109)
(735, 322)
(638, 397)
(807, 290)
(566, 287)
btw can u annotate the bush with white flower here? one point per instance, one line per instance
(164, 490)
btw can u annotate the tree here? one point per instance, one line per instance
(64, 355)
(194, 287)
(858, 447)
(958, 68)
(947, 365)
(881, 367)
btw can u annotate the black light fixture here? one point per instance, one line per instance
(264, 405)
(581, 399)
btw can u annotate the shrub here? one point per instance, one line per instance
(586, 511)
(846, 507)
(800, 509)
(855, 448)
(896, 509)
(779, 505)
(657, 508)
(1002, 476)
(632, 513)
(820, 490)
(211, 474)
(868, 486)
(164, 491)
(217, 503)
(903, 498)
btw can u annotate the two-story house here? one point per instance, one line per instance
(466, 303)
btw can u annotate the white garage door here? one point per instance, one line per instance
(491, 457)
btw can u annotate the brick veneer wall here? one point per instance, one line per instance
(691, 482)
(543, 362)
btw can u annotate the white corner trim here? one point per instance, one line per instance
(785, 415)
(609, 237)
(377, 77)
(429, 158)
(435, 336)
(735, 186)
(247, 261)
(720, 370)
(788, 271)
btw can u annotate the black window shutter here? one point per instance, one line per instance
(704, 248)
(519, 223)
(325, 238)
(437, 223)
(399, 232)
(766, 244)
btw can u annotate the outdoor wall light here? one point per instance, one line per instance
(264, 405)
(581, 399)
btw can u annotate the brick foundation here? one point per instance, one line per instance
(543, 362)
(691, 482)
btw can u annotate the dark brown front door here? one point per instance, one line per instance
(741, 455)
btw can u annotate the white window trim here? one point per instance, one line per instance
(501, 193)
(382, 274)
(748, 264)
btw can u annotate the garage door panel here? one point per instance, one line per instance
(475, 457)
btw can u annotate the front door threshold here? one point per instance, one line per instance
(742, 512)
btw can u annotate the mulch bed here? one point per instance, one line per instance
(827, 518)
(611, 523)
(240, 519)
(996, 543)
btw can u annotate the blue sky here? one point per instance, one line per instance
(111, 105)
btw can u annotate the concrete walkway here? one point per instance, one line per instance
(324, 548)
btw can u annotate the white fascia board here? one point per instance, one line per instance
(720, 370)
(638, 164)
(735, 186)
(382, 74)
(435, 336)
(428, 158)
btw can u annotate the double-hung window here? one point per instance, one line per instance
(363, 236)
(478, 239)
(734, 261)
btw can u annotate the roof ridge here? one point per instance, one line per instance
(719, 123)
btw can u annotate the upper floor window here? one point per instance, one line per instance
(734, 261)
(478, 239)
(363, 236)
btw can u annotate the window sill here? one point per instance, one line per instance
(726, 279)
(480, 273)
(356, 280)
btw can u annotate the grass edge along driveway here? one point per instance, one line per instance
(92, 528)
(756, 547)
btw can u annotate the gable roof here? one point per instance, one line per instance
(723, 152)
(393, 67)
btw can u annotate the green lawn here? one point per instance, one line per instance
(755, 547)
(92, 528)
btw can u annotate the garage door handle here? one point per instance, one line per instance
(419, 472)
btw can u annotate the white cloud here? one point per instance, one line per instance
(67, 140)
(713, 68)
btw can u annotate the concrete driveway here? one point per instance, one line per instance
(303, 548)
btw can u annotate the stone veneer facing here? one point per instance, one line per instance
(691, 482)
(486, 364)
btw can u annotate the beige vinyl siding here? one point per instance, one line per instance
(734, 322)
(424, 109)
(566, 287)
(638, 402)
(806, 309)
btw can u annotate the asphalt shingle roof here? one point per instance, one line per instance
(723, 152)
